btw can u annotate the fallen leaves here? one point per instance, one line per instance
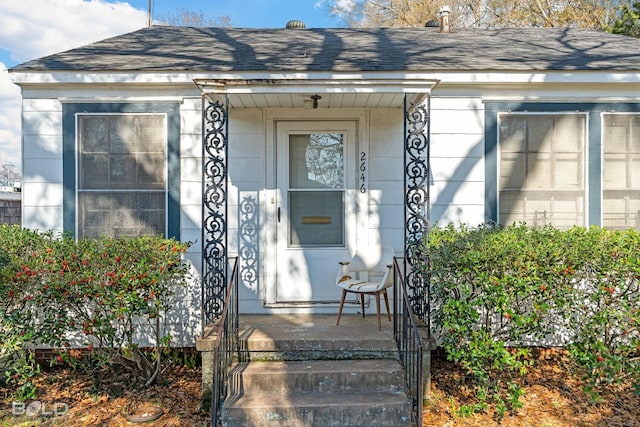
(109, 400)
(553, 397)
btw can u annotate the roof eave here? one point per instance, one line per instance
(338, 81)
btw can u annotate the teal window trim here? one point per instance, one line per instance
(69, 165)
(594, 147)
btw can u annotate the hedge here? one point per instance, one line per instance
(498, 291)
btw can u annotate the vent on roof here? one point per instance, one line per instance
(432, 23)
(295, 23)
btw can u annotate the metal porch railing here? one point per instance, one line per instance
(226, 333)
(406, 332)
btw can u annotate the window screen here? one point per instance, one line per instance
(621, 171)
(541, 170)
(121, 175)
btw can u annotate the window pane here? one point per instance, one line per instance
(122, 134)
(122, 170)
(513, 132)
(615, 171)
(540, 133)
(621, 171)
(151, 134)
(512, 171)
(121, 214)
(568, 173)
(538, 171)
(150, 170)
(542, 169)
(569, 134)
(93, 171)
(94, 134)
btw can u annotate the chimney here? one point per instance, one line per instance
(444, 19)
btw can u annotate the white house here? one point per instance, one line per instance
(316, 130)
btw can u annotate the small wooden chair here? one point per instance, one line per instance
(377, 263)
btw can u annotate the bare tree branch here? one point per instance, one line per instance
(595, 14)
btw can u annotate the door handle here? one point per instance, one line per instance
(278, 214)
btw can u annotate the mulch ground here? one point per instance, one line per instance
(553, 398)
(109, 400)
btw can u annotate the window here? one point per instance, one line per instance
(541, 169)
(621, 171)
(121, 174)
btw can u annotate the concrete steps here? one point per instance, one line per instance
(322, 376)
(318, 376)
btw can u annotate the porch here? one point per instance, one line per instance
(318, 184)
(367, 207)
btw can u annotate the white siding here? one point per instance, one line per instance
(191, 173)
(41, 217)
(386, 195)
(247, 207)
(184, 325)
(42, 146)
(191, 183)
(457, 161)
(457, 167)
(42, 164)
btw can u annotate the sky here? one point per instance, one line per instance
(30, 29)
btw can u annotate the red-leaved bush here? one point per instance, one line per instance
(101, 295)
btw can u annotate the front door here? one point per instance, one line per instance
(316, 225)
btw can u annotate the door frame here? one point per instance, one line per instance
(272, 120)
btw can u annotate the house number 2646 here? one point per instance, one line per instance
(363, 172)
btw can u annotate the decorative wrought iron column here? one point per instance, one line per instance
(215, 133)
(416, 200)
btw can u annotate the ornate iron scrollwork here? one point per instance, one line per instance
(417, 215)
(249, 223)
(214, 208)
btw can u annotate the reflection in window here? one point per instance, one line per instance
(316, 160)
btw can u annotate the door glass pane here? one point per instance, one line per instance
(316, 161)
(316, 189)
(316, 218)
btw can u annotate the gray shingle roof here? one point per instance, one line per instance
(189, 49)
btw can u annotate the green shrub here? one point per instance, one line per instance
(604, 310)
(16, 336)
(494, 289)
(95, 293)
